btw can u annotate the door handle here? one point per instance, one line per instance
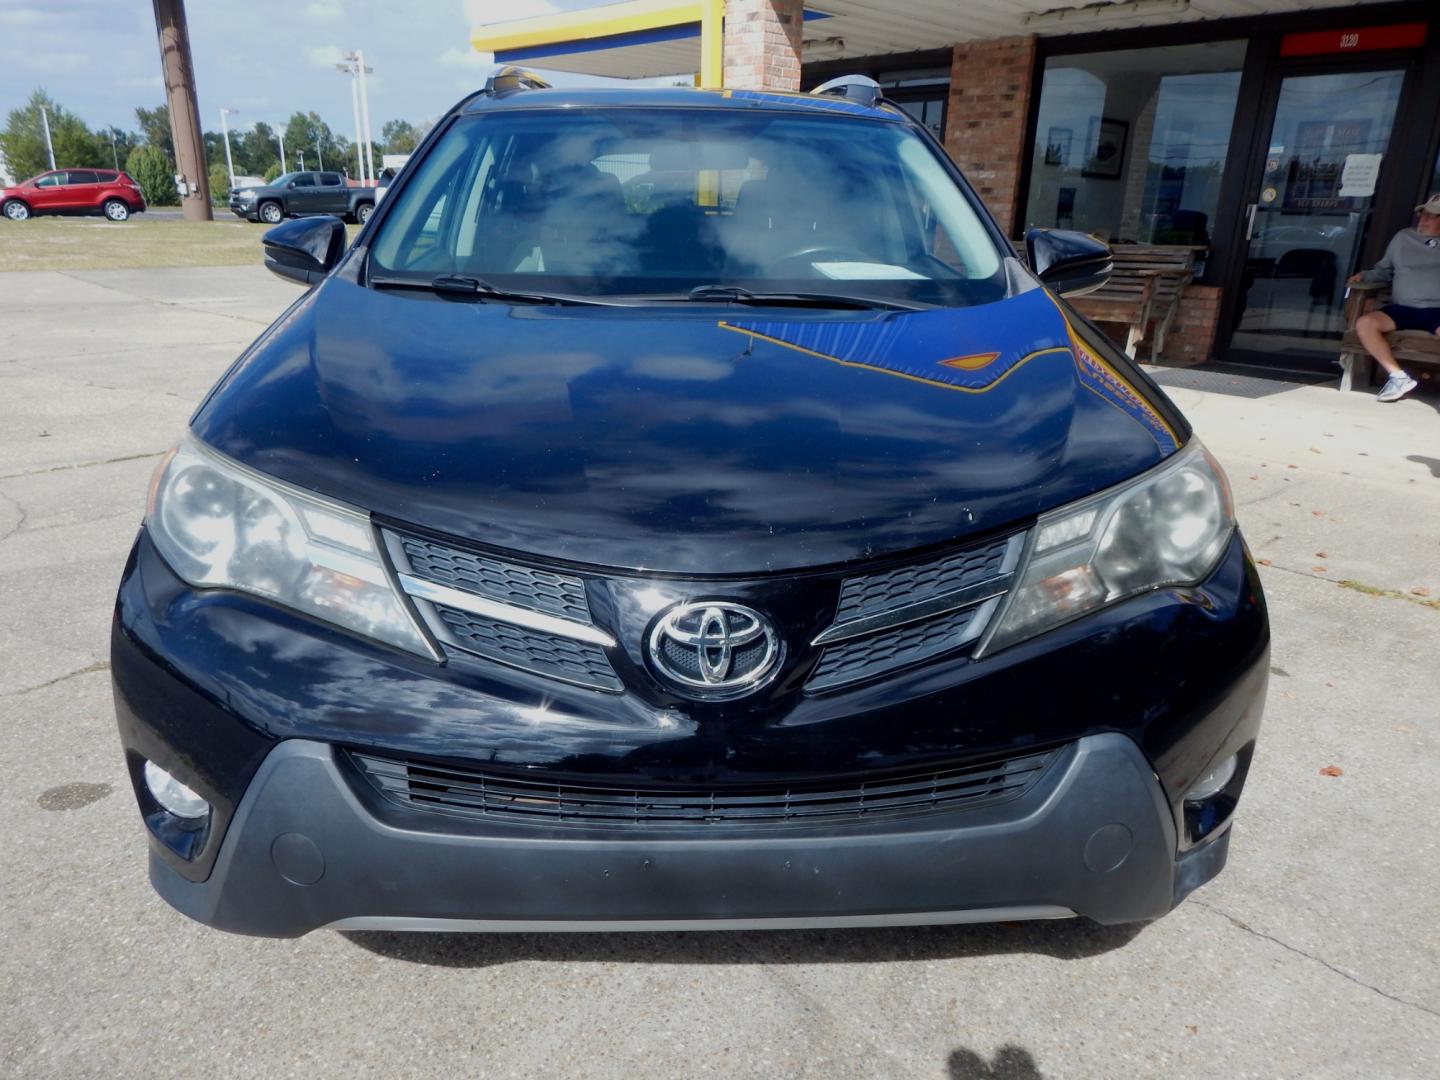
(1250, 219)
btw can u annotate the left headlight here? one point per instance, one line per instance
(221, 525)
(1167, 527)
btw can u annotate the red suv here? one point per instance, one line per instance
(73, 191)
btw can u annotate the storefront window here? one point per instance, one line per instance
(1131, 145)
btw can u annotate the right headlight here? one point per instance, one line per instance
(1167, 527)
(220, 525)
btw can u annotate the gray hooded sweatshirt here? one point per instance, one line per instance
(1411, 265)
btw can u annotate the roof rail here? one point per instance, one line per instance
(861, 89)
(506, 79)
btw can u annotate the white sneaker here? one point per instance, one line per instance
(1396, 387)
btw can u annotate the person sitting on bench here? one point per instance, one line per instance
(1411, 266)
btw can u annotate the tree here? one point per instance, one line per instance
(116, 144)
(399, 137)
(152, 170)
(272, 172)
(155, 128)
(23, 139)
(256, 150)
(306, 133)
(219, 183)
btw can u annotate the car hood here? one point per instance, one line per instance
(692, 440)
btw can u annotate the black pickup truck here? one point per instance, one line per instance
(299, 193)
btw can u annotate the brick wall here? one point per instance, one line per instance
(1192, 334)
(763, 44)
(985, 127)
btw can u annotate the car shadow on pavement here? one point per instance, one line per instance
(1063, 939)
(1011, 1062)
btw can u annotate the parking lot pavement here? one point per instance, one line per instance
(1315, 954)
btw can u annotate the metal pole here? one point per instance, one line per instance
(320, 155)
(114, 152)
(49, 150)
(302, 160)
(359, 141)
(365, 117)
(179, 73)
(280, 135)
(225, 135)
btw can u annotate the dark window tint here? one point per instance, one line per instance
(105, 177)
(304, 180)
(645, 201)
(330, 179)
(80, 176)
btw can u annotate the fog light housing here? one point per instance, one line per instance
(1213, 782)
(174, 796)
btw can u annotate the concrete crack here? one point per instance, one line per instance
(167, 303)
(23, 515)
(99, 665)
(84, 465)
(1240, 924)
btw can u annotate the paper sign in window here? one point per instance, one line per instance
(1357, 178)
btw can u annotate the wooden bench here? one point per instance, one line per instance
(1144, 289)
(1413, 348)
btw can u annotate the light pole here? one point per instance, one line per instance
(364, 157)
(319, 154)
(49, 150)
(302, 160)
(280, 137)
(114, 152)
(225, 135)
(365, 116)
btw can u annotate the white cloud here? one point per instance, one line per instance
(22, 17)
(484, 12)
(322, 11)
(467, 59)
(324, 56)
(49, 63)
(144, 82)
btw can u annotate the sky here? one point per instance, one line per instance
(264, 58)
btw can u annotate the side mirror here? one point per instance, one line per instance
(1071, 263)
(306, 249)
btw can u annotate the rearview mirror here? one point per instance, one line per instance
(1071, 263)
(306, 249)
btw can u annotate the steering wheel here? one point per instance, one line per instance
(813, 254)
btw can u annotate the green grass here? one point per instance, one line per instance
(56, 243)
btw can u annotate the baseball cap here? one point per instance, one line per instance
(1430, 205)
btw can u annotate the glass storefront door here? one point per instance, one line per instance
(1308, 216)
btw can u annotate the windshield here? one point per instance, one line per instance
(661, 201)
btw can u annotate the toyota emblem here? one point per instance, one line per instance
(714, 649)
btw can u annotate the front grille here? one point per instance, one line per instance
(866, 657)
(495, 796)
(532, 619)
(862, 596)
(507, 583)
(893, 619)
(533, 650)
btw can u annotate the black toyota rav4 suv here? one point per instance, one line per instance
(683, 509)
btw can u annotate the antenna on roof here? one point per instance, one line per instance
(507, 79)
(861, 89)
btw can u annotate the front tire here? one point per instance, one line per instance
(16, 210)
(271, 213)
(363, 212)
(116, 210)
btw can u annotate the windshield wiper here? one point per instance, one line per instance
(738, 294)
(463, 286)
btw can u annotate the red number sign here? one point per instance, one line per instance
(1365, 39)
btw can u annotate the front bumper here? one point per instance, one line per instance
(310, 847)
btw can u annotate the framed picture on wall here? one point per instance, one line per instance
(1105, 144)
(1057, 146)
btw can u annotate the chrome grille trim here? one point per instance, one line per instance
(491, 609)
(943, 604)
